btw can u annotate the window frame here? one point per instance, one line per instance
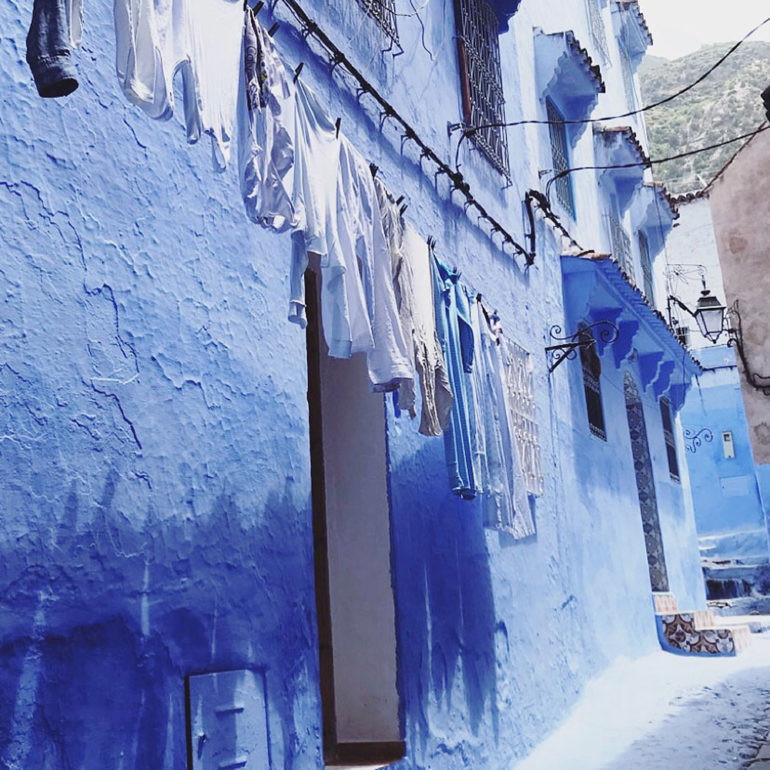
(646, 263)
(669, 438)
(591, 366)
(483, 102)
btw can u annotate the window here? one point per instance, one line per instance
(592, 372)
(628, 79)
(521, 397)
(481, 78)
(728, 445)
(384, 13)
(620, 243)
(560, 156)
(644, 256)
(596, 23)
(668, 435)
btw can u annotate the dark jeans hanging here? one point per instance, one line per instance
(49, 53)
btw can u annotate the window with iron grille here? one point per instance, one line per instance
(481, 79)
(628, 79)
(592, 372)
(384, 13)
(560, 156)
(621, 244)
(668, 435)
(644, 255)
(596, 23)
(521, 397)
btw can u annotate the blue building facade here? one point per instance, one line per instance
(159, 461)
(729, 489)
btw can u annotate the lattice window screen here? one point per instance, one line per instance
(596, 22)
(384, 13)
(482, 80)
(521, 397)
(560, 156)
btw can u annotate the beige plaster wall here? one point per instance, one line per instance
(740, 206)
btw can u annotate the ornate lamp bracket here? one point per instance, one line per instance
(567, 347)
(693, 439)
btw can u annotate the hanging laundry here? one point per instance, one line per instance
(266, 117)
(55, 29)
(413, 277)
(455, 333)
(200, 39)
(314, 199)
(497, 464)
(337, 218)
(362, 299)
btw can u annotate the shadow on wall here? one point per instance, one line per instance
(444, 604)
(110, 617)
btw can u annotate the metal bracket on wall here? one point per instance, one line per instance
(695, 438)
(587, 336)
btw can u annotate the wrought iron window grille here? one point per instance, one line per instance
(384, 13)
(598, 32)
(557, 131)
(668, 437)
(523, 407)
(481, 80)
(644, 256)
(621, 244)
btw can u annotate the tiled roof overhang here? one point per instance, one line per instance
(633, 28)
(566, 73)
(619, 146)
(661, 213)
(504, 10)
(596, 289)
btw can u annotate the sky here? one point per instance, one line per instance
(681, 26)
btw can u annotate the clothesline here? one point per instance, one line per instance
(338, 58)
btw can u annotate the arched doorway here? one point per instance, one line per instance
(645, 485)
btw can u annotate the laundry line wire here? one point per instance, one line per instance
(458, 183)
(468, 131)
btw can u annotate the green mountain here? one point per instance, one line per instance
(725, 105)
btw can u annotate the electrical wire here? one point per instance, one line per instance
(470, 130)
(655, 161)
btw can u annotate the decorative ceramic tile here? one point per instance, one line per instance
(679, 633)
(645, 485)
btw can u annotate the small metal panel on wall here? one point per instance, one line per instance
(227, 721)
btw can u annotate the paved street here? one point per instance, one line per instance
(665, 711)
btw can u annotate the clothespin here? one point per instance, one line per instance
(258, 7)
(403, 209)
(374, 168)
(337, 125)
(399, 200)
(298, 70)
(273, 29)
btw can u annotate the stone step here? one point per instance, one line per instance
(679, 633)
(705, 619)
(665, 603)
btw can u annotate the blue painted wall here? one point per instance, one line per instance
(729, 501)
(154, 443)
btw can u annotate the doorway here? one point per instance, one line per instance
(351, 536)
(645, 486)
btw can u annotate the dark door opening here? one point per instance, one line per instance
(351, 536)
(645, 485)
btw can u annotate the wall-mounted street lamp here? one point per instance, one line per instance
(709, 313)
(714, 318)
